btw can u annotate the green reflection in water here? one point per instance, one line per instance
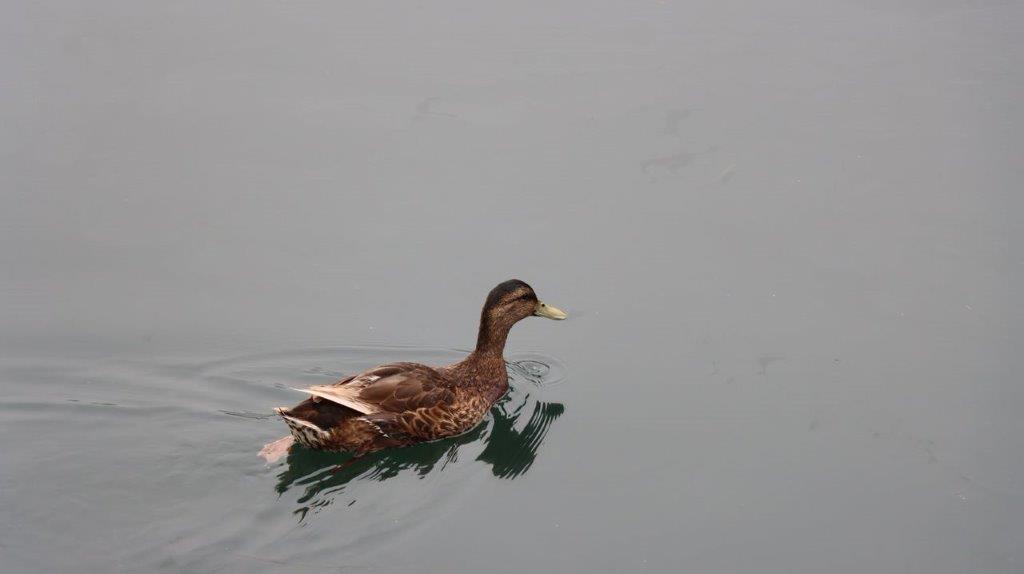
(508, 451)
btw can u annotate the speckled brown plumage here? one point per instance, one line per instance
(399, 404)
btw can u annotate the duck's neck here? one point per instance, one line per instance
(490, 342)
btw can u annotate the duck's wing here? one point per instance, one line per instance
(392, 388)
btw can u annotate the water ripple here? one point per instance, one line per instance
(189, 432)
(374, 500)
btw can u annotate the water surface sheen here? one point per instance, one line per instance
(160, 461)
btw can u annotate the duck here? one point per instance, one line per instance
(401, 404)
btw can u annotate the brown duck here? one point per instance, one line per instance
(400, 404)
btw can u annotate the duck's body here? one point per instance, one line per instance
(399, 404)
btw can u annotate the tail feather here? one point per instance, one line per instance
(305, 432)
(291, 418)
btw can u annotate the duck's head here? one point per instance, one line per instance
(506, 305)
(516, 300)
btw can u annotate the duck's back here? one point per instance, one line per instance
(394, 405)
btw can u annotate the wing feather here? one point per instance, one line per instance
(343, 396)
(393, 388)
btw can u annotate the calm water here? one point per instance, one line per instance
(787, 235)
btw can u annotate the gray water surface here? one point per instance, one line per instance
(787, 235)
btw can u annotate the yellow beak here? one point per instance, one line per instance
(545, 310)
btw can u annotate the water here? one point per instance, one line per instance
(169, 442)
(785, 235)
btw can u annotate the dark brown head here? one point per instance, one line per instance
(506, 305)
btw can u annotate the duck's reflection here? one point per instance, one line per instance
(509, 452)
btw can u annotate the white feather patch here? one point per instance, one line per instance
(343, 395)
